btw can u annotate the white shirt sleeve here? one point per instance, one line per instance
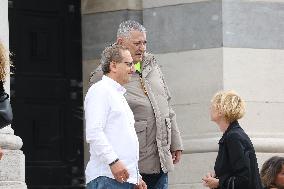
(97, 107)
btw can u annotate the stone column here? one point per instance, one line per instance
(208, 45)
(12, 165)
(253, 56)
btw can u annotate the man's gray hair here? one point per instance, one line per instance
(126, 27)
(111, 53)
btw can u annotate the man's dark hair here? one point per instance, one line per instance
(111, 53)
(270, 169)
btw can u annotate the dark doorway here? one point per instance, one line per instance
(46, 90)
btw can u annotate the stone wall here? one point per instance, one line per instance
(204, 46)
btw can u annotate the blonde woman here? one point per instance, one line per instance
(4, 60)
(236, 162)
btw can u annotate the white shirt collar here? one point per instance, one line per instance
(114, 84)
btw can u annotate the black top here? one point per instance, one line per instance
(236, 157)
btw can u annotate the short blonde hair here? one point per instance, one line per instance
(230, 104)
(4, 61)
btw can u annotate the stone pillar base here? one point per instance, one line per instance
(12, 185)
(12, 164)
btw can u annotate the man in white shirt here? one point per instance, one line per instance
(110, 132)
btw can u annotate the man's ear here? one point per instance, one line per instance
(112, 66)
(119, 41)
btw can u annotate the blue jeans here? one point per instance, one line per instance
(156, 181)
(108, 183)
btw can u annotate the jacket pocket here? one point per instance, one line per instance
(169, 130)
(141, 128)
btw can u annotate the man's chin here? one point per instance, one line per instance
(128, 80)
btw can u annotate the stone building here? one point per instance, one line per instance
(202, 46)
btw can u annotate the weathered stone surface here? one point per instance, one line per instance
(99, 30)
(162, 3)
(95, 6)
(257, 74)
(8, 140)
(12, 166)
(4, 31)
(180, 26)
(253, 24)
(184, 27)
(193, 76)
(12, 185)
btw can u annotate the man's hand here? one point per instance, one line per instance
(141, 185)
(119, 171)
(176, 156)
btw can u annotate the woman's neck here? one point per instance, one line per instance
(223, 125)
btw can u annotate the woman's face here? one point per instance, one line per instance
(279, 181)
(214, 113)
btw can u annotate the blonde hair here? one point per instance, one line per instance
(230, 104)
(4, 61)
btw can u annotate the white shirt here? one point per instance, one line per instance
(110, 130)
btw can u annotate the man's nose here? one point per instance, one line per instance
(142, 47)
(132, 69)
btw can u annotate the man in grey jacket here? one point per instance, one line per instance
(160, 144)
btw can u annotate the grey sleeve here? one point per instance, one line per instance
(96, 75)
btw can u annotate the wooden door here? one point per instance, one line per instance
(46, 90)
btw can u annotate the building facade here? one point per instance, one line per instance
(202, 46)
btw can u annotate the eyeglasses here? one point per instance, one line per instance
(129, 64)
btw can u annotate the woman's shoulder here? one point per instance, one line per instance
(237, 131)
(237, 134)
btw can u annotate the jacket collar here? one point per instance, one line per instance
(233, 125)
(146, 62)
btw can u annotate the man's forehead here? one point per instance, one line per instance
(134, 34)
(127, 56)
(125, 52)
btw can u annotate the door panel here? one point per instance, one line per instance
(46, 90)
(41, 35)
